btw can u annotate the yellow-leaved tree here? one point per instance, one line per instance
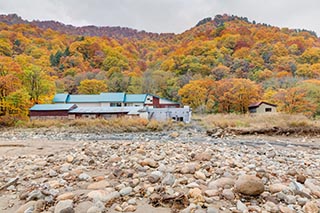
(92, 86)
(198, 93)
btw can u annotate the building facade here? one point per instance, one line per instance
(111, 105)
(50, 111)
(262, 107)
(176, 114)
(115, 100)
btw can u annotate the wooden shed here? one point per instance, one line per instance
(262, 107)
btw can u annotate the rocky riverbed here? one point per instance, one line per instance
(62, 172)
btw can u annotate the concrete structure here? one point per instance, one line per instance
(262, 107)
(51, 111)
(163, 114)
(115, 100)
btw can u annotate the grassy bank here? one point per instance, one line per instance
(102, 125)
(221, 125)
(256, 121)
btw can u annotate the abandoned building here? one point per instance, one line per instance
(262, 107)
(111, 105)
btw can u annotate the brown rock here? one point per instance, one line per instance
(129, 208)
(83, 206)
(228, 194)
(149, 162)
(221, 183)
(277, 187)
(204, 156)
(99, 185)
(39, 206)
(69, 158)
(54, 184)
(189, 168)
(196, 194)
(118, 208)
(141, 151)
(200, 175)
(24, 207)
(301, 178)
(99, 178)
(114, 159)
(66, 196)
(64, 206)
(249, 185)
(174, 134)
(292, 172)
(211, 193)
(98, 194)
(310, 207)
(284, 209)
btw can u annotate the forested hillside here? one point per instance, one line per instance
(220, 65)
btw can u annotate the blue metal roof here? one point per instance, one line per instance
(84, 99)
(135, 98)
(60, 98)
(113, 97)
(103, 97)
(117, 97)
(105, 110)
(51, 107)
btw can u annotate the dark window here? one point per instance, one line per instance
(268, 109)
(254, 110)
(177, 118)
(115, 104)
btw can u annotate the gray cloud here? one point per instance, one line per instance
(165, 15)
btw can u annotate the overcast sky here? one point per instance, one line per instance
(166, 15)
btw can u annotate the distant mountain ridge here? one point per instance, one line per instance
(91, 30)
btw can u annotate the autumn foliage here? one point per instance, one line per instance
(221, 65)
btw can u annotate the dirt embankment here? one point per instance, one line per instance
(271, 131)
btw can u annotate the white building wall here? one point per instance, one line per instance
(134, 104)
(165, 101)
(149, 99)
(262, 108)
(163, 114)
(87, 104)
(144, 115)
(105, 104)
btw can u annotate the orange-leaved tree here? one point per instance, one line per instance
(236, 94)
(198, 93)
(294, 100)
